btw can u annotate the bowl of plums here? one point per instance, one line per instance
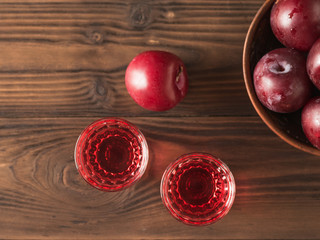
(281, 68)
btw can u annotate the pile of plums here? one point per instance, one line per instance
(285, 77)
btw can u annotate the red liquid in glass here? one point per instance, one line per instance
(197, 189)
(111, 154)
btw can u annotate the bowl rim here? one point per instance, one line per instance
(260, 109)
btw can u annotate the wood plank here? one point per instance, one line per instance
(100, 94)
(62, 66)
(69, 58)
(43, 196)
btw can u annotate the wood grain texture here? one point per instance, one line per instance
(68, 58)
(43, 196)
(62, 66)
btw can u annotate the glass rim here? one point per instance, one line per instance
(189, 220)
(135, 130)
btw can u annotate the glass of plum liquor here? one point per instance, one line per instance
(198, 189)
(111, 154)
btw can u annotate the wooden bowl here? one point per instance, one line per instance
(259, 41)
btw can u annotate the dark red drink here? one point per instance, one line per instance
(111, 154)
(198, 189)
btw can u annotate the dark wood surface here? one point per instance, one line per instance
(62, 66)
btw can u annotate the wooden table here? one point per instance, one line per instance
(62, 66)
